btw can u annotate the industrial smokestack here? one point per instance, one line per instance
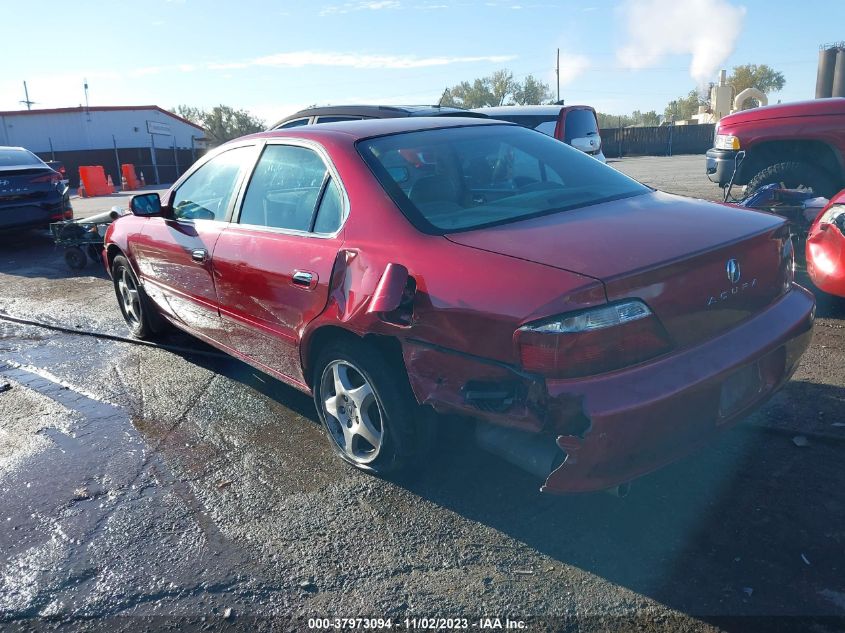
(839, 75)
(827, 67)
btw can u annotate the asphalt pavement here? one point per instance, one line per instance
(152, 487)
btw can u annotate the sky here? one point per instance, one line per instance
(275, 57)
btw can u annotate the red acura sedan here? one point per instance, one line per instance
(595, 328)
(825, 248)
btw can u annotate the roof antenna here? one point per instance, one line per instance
(26, 100)
(443, 96)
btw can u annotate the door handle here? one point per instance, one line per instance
(304, 279)
(199, 255)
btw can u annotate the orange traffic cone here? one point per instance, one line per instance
(81, 191)
(110, 184)
(143, 182)
(124, 184)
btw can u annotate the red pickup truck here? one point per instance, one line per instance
(797, 145)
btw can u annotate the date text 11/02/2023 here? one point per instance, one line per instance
(419, 623)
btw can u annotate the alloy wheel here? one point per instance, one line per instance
(352, 413)
(130, 300)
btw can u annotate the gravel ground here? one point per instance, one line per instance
(144, 488)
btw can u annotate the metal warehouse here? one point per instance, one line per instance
(159, 143)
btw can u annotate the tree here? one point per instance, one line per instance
(532, 91)
(501, 85)
(221, 123)
(496, 89)
(684, 107)
(646, 119)
(762, 77)
(472, 95)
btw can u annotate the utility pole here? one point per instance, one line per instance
(26, 100)
(87, 109)
(557, 73)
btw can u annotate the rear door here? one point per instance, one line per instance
(274, 262)
(173, 254)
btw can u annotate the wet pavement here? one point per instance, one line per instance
(145, 488)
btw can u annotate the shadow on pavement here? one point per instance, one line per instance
(33, 254)
(724, 532)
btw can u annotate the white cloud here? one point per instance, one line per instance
(370, 5)
(706, 29)
(299, 59)
(571, 67)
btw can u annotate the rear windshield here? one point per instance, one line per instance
(579, 124)
(458, 179)
(10, 157)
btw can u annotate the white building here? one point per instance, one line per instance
(157, 142)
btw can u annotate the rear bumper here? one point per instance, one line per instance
(720, 165)
(29, 216)
(649, 416)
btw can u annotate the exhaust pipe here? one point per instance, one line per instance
(621, 491)
(105, 216)
(536, 454)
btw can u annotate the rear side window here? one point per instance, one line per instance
(294, 123)
(336, 119)
(579, 124)
(292, 189)
(547, 127)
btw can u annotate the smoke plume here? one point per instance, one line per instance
(706, 29)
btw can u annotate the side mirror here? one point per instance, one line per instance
(146, 205)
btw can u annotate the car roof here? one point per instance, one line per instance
(538, 110)
(366, 128)
(377, 112)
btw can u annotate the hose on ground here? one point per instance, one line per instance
(179, 349)
(823, 437)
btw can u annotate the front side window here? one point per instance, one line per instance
(207, 193)
(292, 189)
(458, 179)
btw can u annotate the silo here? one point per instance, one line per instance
(827, 66)
(839, 75)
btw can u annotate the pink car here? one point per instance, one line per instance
(594, 328)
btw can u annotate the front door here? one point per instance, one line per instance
(173, 254)
(273, 263)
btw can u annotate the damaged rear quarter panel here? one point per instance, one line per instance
(467, 305)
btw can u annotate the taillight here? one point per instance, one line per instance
(46, 178)
(834, 215)
(593, 341)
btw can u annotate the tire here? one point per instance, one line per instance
(137, 309)
(75, 258)
(367, 409)
(795, 175)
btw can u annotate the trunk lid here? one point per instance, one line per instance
(671, 252)
(27, 183)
